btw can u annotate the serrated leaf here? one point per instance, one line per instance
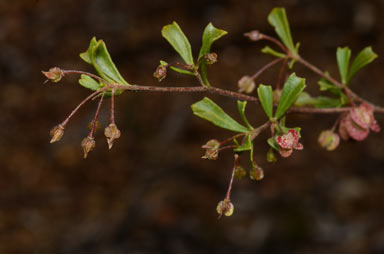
(246, 146)
(268, 50)
(210, 35)
(365, 57)
(175, 36)
(210, 111)
(343, 56)
(266, 99)
(278, 19)
(241, 107)
(89, 83)
(291, 90)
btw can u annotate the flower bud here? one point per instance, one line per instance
(240, 172)
(246, 84)
(56, 133)
(225, 207)
(54, 74)
(329, 140)
(211, 149)
(254, 35)
(211, 58)
(271, 156)
(88, 144)
(256, 173)
(112, 133)
(161, 72)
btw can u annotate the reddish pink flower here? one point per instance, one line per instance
(289, 141)
(357, 123)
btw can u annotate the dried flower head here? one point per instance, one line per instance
(288, 141)
(211, 58)
(357, 123)
(246, 84)
(161, 72)
(225, 207)
(54, 74)
(88, 144)
(112, 133)
(211, 149)
(56, 133)
(329, 140)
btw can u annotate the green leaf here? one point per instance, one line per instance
(343, 55)
(266, 99)
(362, 59)
(272, 143)
(104, 65)
(87, 55)
(210, 111)
(241, 107)
(291, 90)
(175, 36)
(210, 35)
(305, 99)
(98, 56)
(182, 71)
(278, 19)
(326, 85)
(89, 83)
(268, 50)
(246, 146)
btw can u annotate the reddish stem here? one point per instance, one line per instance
(265, 67)
(94, 121)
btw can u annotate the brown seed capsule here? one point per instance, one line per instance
(211, 58)
(112, 133)
(211, 149)
(225, 207)
(160, 73)
(246, 84)
(88, 144)
(54, 74)
(56, 133)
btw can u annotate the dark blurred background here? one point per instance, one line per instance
(152, 193)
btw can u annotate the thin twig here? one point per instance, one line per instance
(266, 67)
(94, 121)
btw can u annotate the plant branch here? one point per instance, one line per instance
(94, 121)
(265, 67)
